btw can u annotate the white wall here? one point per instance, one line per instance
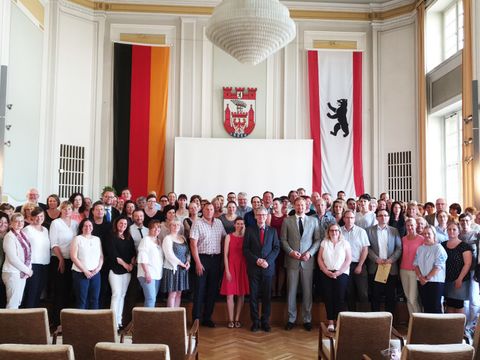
(79, 87)
(397, 108)
(74, 95)
(231, 73)
(23, 91)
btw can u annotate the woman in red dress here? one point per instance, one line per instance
(275, 220)
(235, 279)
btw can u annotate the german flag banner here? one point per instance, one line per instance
(140, 91)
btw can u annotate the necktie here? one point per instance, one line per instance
(109, 215)
(141, 234)
(300, 226)
(262, 236)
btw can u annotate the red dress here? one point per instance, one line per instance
(238, 269)
(276, 223)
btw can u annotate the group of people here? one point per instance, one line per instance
(352, 252)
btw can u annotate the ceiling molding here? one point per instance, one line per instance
(298, 10)
(35, 9)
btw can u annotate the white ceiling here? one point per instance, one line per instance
(342, 1)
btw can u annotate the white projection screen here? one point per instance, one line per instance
(209, 167)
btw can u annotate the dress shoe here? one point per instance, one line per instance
(208, 323)
(289, 326)
(255, 327)
(307, 326)
(266, 327)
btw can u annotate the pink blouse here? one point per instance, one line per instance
(409, 249)
(78, 217)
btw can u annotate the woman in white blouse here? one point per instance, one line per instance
(62, 232)
(334, 259)
(17, 266)
(37, 235)
(150, 263)
(176, 265)
(87, 257)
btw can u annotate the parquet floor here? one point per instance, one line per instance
(242, 344)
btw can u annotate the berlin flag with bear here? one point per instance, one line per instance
(335, 96)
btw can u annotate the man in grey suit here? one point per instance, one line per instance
(300, 237)
(385, 248)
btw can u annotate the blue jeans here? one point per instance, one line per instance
(87, 291)
(150, 291)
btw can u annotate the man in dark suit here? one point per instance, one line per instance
(102, 228)
(110, 212)
(385, 248)
(261, 248)
(32, 197)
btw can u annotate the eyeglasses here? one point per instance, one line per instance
(334, 230)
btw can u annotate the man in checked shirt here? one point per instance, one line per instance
(206, 237)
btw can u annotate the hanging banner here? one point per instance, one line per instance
(335, 93)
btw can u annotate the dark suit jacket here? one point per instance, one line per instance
(42, 205)
(431, 218)
(254, 251)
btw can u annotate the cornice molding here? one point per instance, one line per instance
(298, 10)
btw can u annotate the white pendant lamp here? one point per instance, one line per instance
(250, 30)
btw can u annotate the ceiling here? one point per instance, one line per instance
(365, 2)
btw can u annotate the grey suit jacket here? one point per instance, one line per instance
(292, 241)
(394, 249)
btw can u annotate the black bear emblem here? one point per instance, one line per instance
(340, 114)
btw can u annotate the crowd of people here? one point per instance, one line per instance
(354, 253)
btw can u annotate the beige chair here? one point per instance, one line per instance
(437, 352)
(357, 333)
(476, 340)
(24, 326)
(36, 352)
(83, 329)
(436, 329)
(166, 326)
(111, 351)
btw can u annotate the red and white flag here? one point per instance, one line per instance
(335, 91)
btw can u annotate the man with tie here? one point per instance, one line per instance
(260, 248)
(110, 212)
(300, 236)
(137, 231)
(385, 248)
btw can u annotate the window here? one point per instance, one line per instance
(453, 156)
(453, 29)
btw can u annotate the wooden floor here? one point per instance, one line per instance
(242, 344)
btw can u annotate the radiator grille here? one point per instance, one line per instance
(71, 170)
(400, 175)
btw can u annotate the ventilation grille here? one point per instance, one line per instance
(71, 170)
(400, 175)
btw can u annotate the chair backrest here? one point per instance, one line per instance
(161, 326)
(36, 352)
(436, 329)
(111, 351)
(437, 352)
(83, 329)
(362, 333)
(476, 340)
(24, 326)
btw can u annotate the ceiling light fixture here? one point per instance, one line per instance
(250, 30)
